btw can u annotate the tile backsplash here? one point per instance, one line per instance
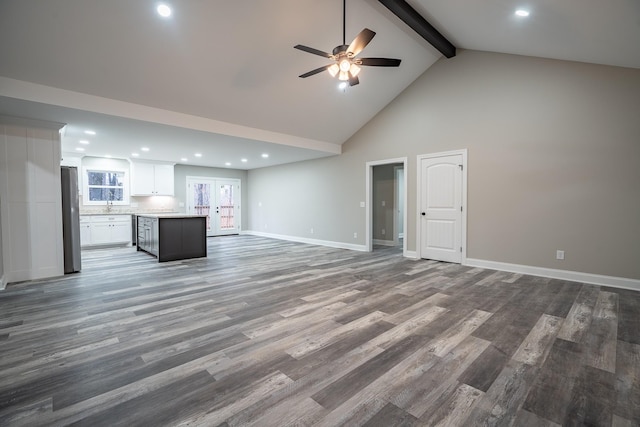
(149, 204)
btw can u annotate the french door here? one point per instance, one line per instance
(219, 200)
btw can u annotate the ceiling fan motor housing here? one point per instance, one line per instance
(340, 49)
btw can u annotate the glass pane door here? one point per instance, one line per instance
(226, 207)
(201, 203)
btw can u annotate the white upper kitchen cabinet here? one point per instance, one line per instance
(151, 179)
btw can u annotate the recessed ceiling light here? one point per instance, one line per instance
(90, 132)
(198, 155)
(135, 154)
(522, 13)
(84, 141)
(164, 10)
(79, 149)
(244, 160)
(145, 148)
(227, 164)
(265, 156)
(184, 159)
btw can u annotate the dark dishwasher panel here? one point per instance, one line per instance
(134, 229)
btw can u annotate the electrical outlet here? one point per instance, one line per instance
(355, 235)
(362, 204)
(559, 254)
(383, 231)
(312, 231)
(384, 203)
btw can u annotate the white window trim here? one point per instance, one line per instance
(85, 187)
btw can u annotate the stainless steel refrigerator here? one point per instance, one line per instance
(70, 219)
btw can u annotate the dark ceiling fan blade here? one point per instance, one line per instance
(353, 80)
(312, 50)
(314, 72)
(361, 41)
(379, 62)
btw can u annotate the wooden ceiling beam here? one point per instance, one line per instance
(420, 25)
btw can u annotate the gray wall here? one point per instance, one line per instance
(180, 182)
(554, 163)
(1, 257)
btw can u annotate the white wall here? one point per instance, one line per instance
(32, 202)
(553, 163)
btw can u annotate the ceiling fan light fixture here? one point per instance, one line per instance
(344, 76)
(354, 70)
(345, 65)
(333, 70)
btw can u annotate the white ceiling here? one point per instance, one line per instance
(220, 77)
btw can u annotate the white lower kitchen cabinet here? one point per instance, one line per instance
(105, 230)
(85, 230)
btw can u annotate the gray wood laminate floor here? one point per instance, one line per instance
(272, 333)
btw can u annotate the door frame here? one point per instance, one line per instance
(369, 197)
(463, 235)
(396, 173)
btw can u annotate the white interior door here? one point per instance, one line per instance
(441, 208)
(218, 199)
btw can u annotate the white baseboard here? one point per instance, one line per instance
(411, 254)
(575, 276)
(328, 243)
(383, 242)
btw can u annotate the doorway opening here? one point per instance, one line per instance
(386, 204)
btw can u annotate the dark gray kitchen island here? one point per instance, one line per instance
(171, 237)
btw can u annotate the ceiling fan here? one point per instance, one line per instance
(346, 66)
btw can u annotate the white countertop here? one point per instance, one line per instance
(170, 215)
(128, 213)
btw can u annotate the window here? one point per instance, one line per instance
(102, 186)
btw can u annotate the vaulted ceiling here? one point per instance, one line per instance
(221, 77)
